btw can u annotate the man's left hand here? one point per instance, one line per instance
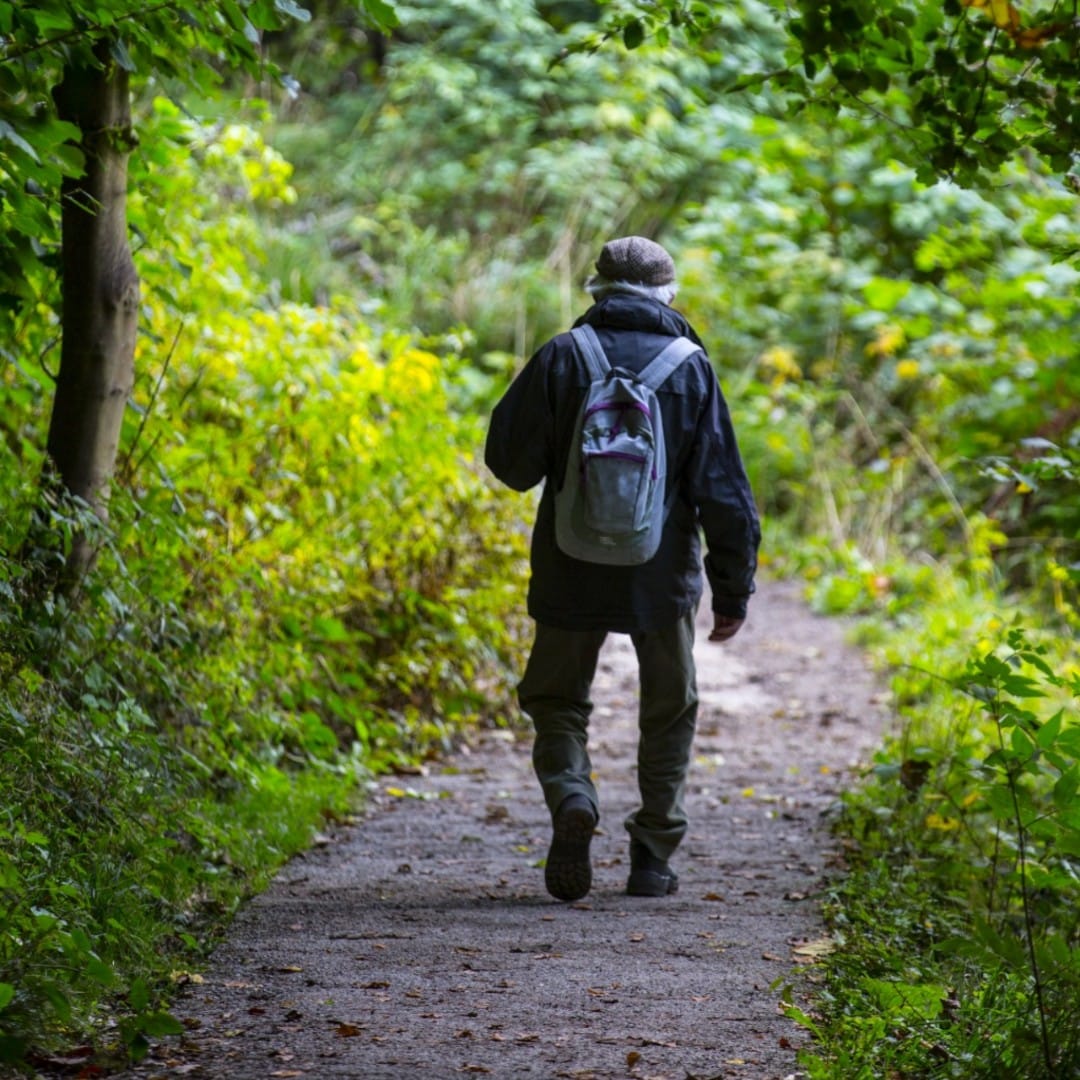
(725, 627)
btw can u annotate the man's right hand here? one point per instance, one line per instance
(725, 627)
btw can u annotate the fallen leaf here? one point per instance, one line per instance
(632, 1059)
(288, 1072)
(347, 1031)
(815, 950)
(772, 956)
(290, 969)
(375, 984)
(712, 896)
(182, 978)
(474, 1069)
(637, 937)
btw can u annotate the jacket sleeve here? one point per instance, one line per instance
(715, 482)
(520, 436)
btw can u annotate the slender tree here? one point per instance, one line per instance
(100, 288)
(66, 69)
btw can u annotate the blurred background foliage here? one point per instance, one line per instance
(308, 577)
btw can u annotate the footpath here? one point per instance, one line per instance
(420, 942)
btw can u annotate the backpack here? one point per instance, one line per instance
(611, 508)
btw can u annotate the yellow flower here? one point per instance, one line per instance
(781, 362)
(889, 339)
(907, 369)
(942, 824)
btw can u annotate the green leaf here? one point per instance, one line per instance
(290, 7)
(381, 14)
(139, 995)
(118, 51)
(1066, 787)
(1047, 735)
(7, 992)
(633, 34)
(99, 971)
(12, 136)
(157, 1024)
(58, 1000)
(883, 294)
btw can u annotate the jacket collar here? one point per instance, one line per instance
(626, 312)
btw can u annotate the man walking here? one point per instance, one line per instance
(576, 602)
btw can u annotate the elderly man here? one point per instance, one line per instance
(575, 603)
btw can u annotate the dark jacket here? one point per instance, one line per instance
(529, 439)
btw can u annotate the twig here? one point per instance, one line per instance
(153, 398)
(1048, 1058)
(85, 31)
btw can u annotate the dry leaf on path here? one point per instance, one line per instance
(811, 951)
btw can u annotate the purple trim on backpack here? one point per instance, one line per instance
(603, 406)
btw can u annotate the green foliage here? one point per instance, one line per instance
(305, 578)
(957, 919)
(474, 182)
(907, 356)
(963, 86)
(182, 44)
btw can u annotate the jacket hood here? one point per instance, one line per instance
(629, 312)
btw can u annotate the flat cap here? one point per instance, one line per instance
(637, 260)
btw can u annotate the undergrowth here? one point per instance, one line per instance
(955, 918)
(304, 580)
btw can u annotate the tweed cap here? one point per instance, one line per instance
(637, 260)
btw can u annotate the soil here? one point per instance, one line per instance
(420, 942)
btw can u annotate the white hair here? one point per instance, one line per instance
(598, 287)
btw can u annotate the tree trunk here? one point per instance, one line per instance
(99, 290)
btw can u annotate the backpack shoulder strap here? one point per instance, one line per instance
(666, 361)
(589, 344)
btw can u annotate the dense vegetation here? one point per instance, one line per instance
(306, 575)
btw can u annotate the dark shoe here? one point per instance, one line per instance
(568, 872)
(649, 875)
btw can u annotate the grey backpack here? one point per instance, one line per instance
(611, 508)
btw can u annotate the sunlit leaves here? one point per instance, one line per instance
(964, 86)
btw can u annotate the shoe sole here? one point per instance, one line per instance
(650, 883)
(568, 872)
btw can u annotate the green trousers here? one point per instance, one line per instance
(554, 693)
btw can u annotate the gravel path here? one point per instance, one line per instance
(421, 942)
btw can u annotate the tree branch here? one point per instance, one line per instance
(85, 31)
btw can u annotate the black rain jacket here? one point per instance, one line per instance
(529, 441)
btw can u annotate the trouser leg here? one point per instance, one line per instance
(667, 718)
(554, 693)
